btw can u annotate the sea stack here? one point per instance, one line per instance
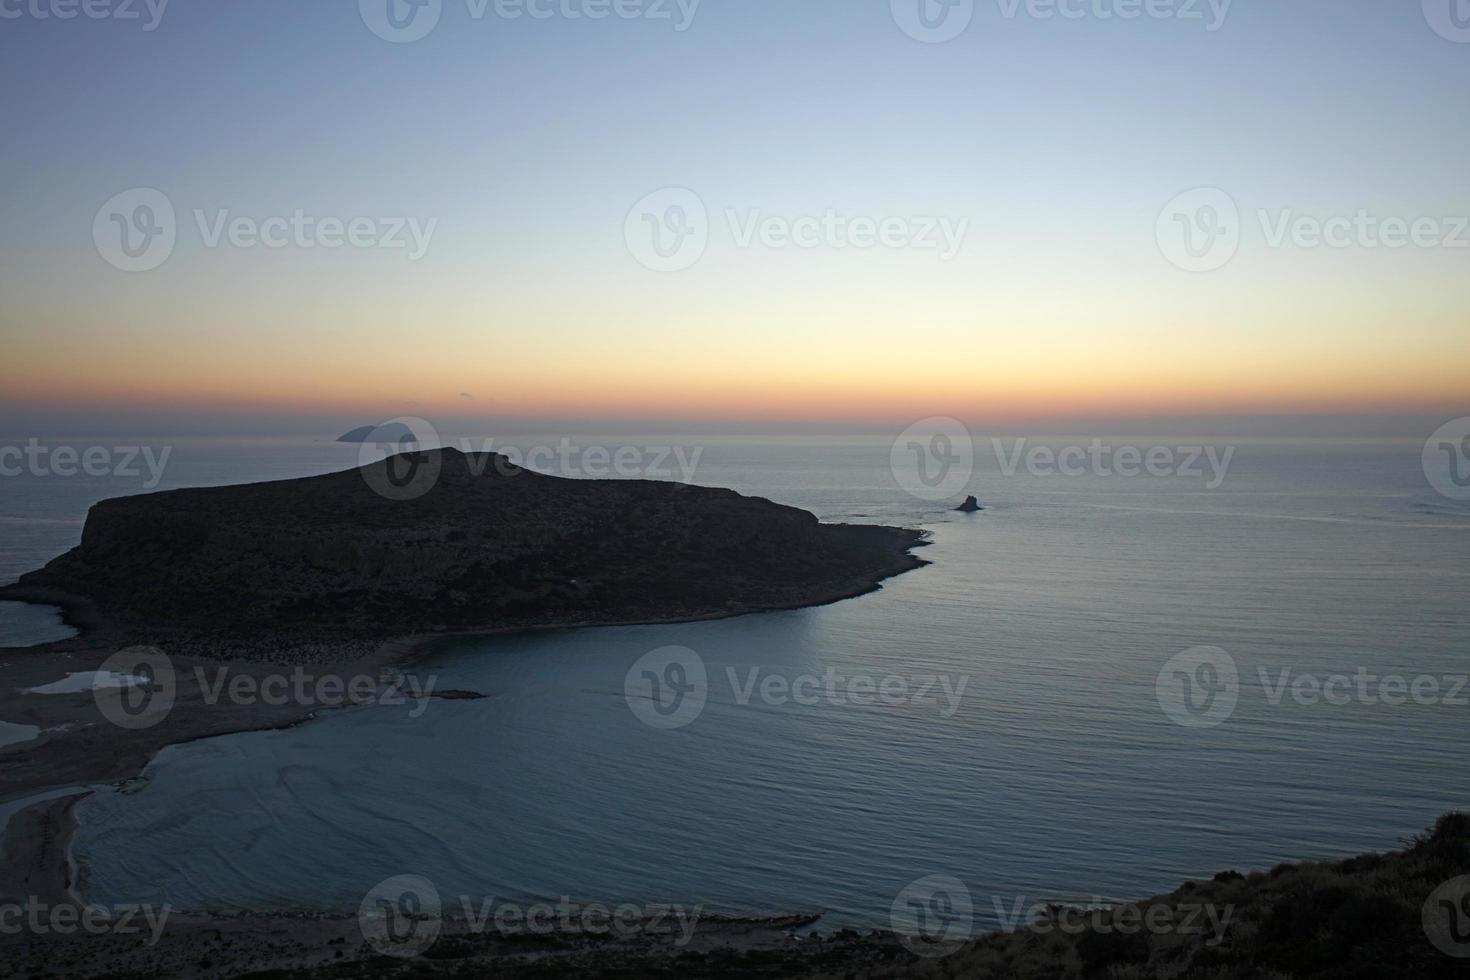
(970, 506)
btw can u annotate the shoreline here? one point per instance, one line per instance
(70, 754)
(1206, 928)
(36, 852)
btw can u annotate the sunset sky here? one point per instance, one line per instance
(526, 142)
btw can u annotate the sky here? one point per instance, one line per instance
(758, 213)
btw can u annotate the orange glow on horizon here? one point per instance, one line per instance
(775, 400)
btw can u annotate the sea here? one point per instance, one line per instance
(1101, 685)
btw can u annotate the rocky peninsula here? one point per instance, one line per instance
(327, 568)
(352, 574)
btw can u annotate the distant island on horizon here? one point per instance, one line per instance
(389, 433)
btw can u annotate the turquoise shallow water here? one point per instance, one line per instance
(1056, 774)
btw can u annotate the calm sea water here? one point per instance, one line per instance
(1056, 775)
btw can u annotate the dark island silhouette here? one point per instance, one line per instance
(330, 567)
(393, 433)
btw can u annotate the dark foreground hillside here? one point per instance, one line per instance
(1364, 918)
(1399, 915)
